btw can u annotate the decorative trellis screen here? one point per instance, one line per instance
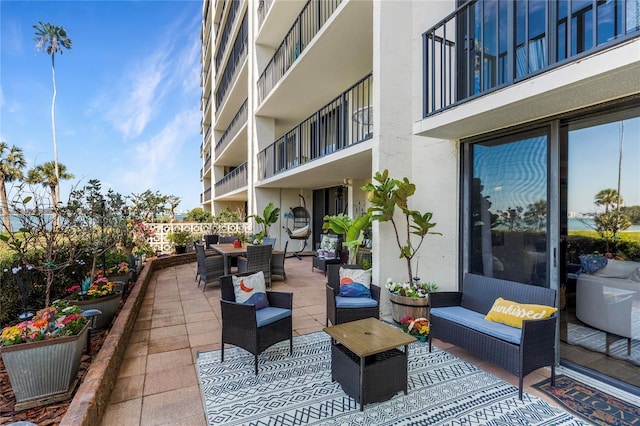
(159, 240)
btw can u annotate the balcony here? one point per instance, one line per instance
(233, 182)
(485, 45)
(308, 23)
(263, 9)
(345, 121)
(223, 40)
(237, 57)
(239, 120)
(206, 196)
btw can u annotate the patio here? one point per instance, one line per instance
(157, 382)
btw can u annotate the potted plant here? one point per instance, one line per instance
(270, 215)
(49, 347)
(409, 299)
(385, 195)
(98, 293)
(351, 229)
(417, 327)
(180, 240)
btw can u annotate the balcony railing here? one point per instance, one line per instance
(263, 9)
(206, 196)
(343, 122)
(236, 123)
(237, 57)
(207, 163)
(307, 25)
(485, 45)
(236, 179)
(228, 26)
(207, 132)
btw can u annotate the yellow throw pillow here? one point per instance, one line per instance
(513, 313)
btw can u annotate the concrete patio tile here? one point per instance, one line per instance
(127, 388)
(133, 366)
(157, 322)
(306, 322)
(170, 331)
(202, 327)
(142, 325)
(136, 349)
(180, 406)
(195, 308)
(125, 413)
(166, 380)
(203, 339)
(168, 360)
(166, 344)
(199, 316)
(139, 336)
(167, 306)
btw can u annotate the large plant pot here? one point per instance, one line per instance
(120, 277)
(401, 306)
(44, 372)
(108, 305)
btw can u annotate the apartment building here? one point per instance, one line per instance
(509, 116)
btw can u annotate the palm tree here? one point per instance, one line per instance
(607, 197)
(11, 164)
(53, 39)
(47, 175)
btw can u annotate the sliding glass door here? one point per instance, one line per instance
(559, 206)
(508, 200)
(601, 298)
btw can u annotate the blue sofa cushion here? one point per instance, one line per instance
(355, 302)
(270, 314)
(476, 321)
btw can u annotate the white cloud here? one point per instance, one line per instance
(155, 158)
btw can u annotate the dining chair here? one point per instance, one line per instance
(258, 259)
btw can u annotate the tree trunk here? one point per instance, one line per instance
(6, 217)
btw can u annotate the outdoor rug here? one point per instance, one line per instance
(297, 390)
(592, 404)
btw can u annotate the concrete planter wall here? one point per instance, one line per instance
(401, 306)
(108, 305)
(44, 372)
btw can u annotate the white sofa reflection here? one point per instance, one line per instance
(605, 299)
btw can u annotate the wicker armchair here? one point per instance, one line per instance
(210, 268)
(338, 315)
(240, 322)
(226, 239)
(258, 259)
(277, 262)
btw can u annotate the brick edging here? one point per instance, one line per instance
(90, 401)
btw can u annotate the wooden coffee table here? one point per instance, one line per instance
(366, 361)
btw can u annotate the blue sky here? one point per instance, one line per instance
(127, 108)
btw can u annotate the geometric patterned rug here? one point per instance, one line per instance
(592, 404)
(297, 390)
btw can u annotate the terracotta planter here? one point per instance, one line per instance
(401, 306)
(108, 305)
(44, 372)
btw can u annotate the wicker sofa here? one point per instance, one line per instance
(454, 318)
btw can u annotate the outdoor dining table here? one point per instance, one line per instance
(227, 250)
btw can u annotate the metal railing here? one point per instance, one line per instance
(236, 179)
(224, 38)
(343, 122)
(236, 123)
(237, 57)
(485, 45)
(307, 25)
